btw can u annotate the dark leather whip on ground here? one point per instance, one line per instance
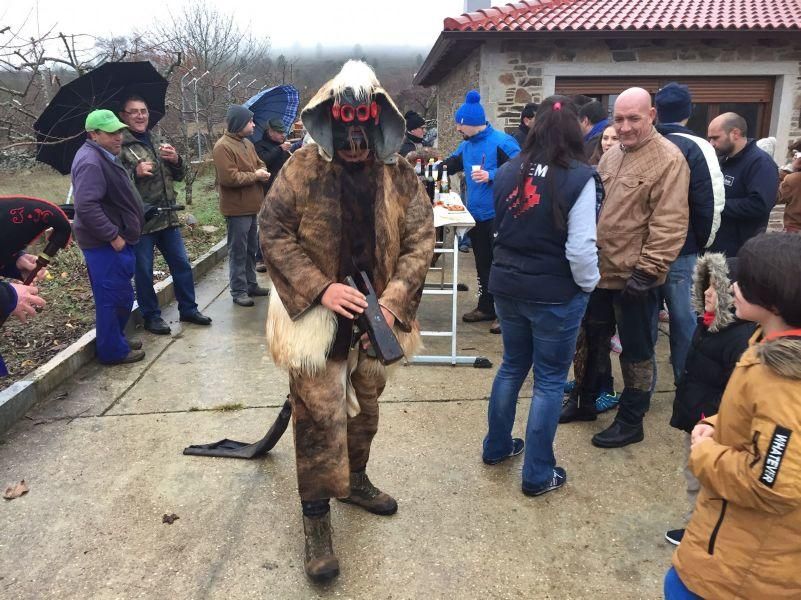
(385, 346)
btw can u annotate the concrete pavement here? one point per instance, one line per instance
(103, 461)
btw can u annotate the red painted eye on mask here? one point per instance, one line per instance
(362, 113)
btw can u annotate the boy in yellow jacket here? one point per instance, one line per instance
(743, 539)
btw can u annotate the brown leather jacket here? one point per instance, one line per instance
(790, 196)
(236, 161)
(744, 539)
(644, 218)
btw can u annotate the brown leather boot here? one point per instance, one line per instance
(364, 494)
(321, 565)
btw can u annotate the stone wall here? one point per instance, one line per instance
(513, 73)
(450, 96)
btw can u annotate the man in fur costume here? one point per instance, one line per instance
(344, 204)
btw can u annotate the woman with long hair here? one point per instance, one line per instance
(545, 266)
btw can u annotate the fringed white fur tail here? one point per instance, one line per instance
(302, 345)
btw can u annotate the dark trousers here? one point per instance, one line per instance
(242, 245)
(481, 238)
(636, 324)
(593, 373)
(110, 274)
(171, 245)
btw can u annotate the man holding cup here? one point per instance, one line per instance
(480, 155)
(156, 166)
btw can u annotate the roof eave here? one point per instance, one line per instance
(426, 76)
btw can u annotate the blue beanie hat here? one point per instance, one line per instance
(471, 112)
(673, 103)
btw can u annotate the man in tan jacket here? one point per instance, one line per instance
(240, 174)
(641, 228)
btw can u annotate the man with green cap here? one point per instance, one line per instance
(108, 222)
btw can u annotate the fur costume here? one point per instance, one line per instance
(301, 225)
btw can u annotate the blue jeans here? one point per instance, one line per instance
(675, 588)
(683, 319)
(110, 274)
(542, 336)
(171, 245)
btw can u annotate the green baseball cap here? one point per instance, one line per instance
(276, 125)
(103, 120)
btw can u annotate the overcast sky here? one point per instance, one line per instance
(286, 22)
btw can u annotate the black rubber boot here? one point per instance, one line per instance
(577, 410)
(618, 434)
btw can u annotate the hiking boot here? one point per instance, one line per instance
(258, 291)
(134, 344)
(244, 301)
(364, 494)
(321, 565)
(618, 434)
(474, 316)
(674, 536)
(517, 447)
(573, 410)
(260, 267)
(558, 479)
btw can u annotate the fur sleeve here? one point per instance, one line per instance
(296, 278)
(402, 293)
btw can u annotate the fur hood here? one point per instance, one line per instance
(712, 267)
(782, 356)
(316, 117)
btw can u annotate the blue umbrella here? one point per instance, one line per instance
(280, 102)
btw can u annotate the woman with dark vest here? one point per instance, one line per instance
(545, 266)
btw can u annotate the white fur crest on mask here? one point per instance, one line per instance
(356, 75)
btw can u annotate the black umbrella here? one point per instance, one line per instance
(59, 129)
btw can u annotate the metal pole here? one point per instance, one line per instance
(183, 98)
(230, 87)
(197, 117)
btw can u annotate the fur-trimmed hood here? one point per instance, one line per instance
(782, 356)
(712, 267)
(316, 117)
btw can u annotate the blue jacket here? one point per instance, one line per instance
(706, 194)
(106, 201)
(751, 179)
(492, 148)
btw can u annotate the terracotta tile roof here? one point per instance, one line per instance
(632, 15)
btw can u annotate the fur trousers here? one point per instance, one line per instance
(329, 444)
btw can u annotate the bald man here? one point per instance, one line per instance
(641, 229)
(750, 179)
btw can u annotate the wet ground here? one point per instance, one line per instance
(103, 461)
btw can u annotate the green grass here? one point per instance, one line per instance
(70, 307)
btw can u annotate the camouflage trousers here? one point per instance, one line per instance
(329, 445)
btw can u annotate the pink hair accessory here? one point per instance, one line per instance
(557, 106)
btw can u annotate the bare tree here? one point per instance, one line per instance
(32, 68)
(213, 43)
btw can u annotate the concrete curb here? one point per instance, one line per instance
(18, 398)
